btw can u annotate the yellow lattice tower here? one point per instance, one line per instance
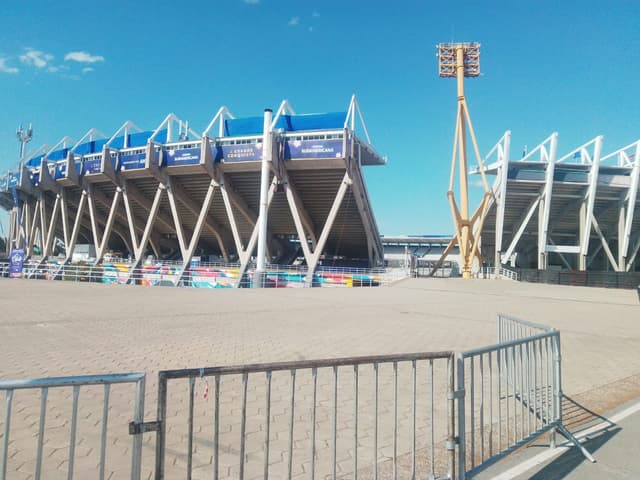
(462, 60)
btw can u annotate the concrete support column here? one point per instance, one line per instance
(582, 258)
(267, 152)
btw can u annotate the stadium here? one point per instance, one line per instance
(576, 211)
(171, 206)
(191, 201)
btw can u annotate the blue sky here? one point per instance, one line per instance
(566, 66)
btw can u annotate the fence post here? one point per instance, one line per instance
(451, 427)
(460, 394)
(161, 433)
(557, 384)
(136, 454)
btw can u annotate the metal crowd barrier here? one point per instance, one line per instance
(397, 412)
(44, 384)
(263, 379)
(509, 394)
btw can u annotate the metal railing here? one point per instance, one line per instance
(592, 278)
(509, 394)
(369, 417)
(490, 272)
(316, 388)
(213, 275)
(45, 384)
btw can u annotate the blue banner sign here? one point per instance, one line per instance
(16, 262)
(331, 148)
(248, 152)
(132, 161)
(61, 170)
(186, 156)
(91, 166)
(14, 179)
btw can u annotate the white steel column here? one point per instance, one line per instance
(634, 254)
(545, 210)
(139, 248)
(605, 245)
(267, 153)
(328, 225)
(244, 253)
(632, 197)
(70, 245)
(521, 229)
(587, 215)
(501, 197)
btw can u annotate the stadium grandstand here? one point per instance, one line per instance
(577, 211)
(181, 198)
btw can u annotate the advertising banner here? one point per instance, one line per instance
(187, 156)
(91, 166)
(331, 148)
(132, 161)
(61, 170)
(14, 179)
(16, 263)
(249, 152)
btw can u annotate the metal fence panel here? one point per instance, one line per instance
(77, 384)
(325, 418)
(509, 394)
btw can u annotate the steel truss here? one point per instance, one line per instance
(585, 204)
(154, 210)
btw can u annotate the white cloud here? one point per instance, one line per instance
(36, 58)
(252, 2)
(83, 57)
(88, 69)
(315, 14)
(294, 21)
(4, 68)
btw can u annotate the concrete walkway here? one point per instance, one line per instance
(614, 443)
(62, 328)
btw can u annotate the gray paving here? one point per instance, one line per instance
(60, 328)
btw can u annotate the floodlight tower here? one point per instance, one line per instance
(460, 60)
(24, 137)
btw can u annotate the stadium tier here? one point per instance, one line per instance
(578, 211)
(175, 194)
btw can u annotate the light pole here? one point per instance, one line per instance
(24, 137)
(460, 60)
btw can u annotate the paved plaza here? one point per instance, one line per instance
(59, 328)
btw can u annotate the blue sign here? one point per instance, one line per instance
(14, 195)
(16, 262)
(186, 156)
(91, 166)
(248, 152)
(61, 170)
(331, 148)
(14, 179)
(132, 161)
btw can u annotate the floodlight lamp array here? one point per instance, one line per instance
(448, 59)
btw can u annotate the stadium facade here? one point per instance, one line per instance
(576, 211)
(174, 193)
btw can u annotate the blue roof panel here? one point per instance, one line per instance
(35, 161)
(58, 154)
(314, 121)
(236, 127)
(289, 123)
